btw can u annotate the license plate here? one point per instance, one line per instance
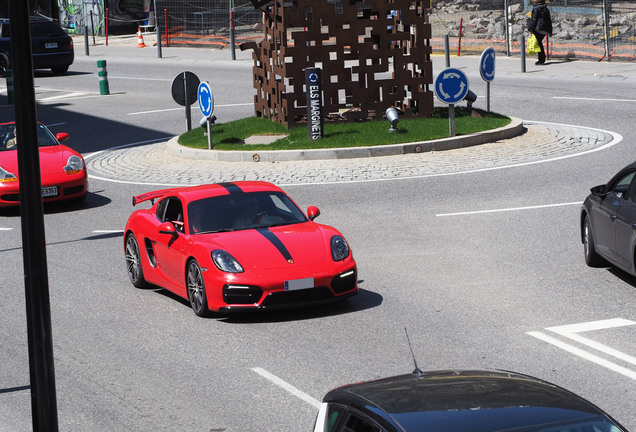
(298, 284)
(49, 191)
(50, 45)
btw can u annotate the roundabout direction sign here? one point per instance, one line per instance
(451, 86)
(206, 99)
(206, 105)
(487, 64)
(487, 71)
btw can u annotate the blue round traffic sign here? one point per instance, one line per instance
(487, 64)
(451, 85)
(206, 100)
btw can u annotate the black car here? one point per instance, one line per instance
(51, 46)
(459, 400)
(608, 222)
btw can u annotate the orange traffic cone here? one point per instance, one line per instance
(140, 39)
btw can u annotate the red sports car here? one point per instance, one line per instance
(237, 246)
(62, 169)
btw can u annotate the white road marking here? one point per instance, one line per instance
(140, 78)
(570, 331)
(285, 385)
(69, 95)
(5, 229)
(106, 231)
(508, 209)
(593, 99)
(181, 108)
(584, 354)
(158, 140)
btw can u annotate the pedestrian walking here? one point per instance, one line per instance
(540, 24)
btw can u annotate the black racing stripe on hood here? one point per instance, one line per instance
(231, 187)
(276, 242)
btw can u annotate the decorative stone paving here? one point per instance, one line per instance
(152, 164)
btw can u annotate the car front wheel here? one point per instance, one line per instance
(133, 262)
(196, 289)
(592, 258)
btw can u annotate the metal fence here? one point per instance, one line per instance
(602, 29)
(591, 29)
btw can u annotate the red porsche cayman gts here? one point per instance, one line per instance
(237, 246)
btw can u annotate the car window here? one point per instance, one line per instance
(171, 210)
(6, 135)
(619, 187)
(8, 138)
(355, 423)
(45, 137)
(242, 211)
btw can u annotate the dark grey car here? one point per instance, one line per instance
(51, 46)
(459, 400)
(608, 222)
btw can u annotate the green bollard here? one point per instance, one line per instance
(9, 76)
(103, 77)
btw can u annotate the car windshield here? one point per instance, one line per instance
(242, 211)
(9, 140)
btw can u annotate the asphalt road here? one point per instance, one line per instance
(483, 268)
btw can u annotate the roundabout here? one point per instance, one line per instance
(169, 164)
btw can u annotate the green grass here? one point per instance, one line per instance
(229, 136)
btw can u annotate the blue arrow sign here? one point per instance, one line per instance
(206, 100)
(451, 85)
(487, 64)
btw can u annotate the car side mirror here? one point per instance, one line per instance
(62, 136)
(313, 212)
(599, 191)
(168, 228)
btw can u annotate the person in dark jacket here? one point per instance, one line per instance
(540, 24)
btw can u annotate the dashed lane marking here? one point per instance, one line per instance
(285, 385)
(508, 209)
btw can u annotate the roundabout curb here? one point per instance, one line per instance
(511, 130)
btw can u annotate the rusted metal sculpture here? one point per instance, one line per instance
(374, 54)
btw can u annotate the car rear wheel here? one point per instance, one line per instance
(196, 289)
(592, 258)
(4, 64)
(133, 262)
(59, 70)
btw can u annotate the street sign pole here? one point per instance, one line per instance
(210, 143)
(451, 119)
(488, 96)
(187, 103)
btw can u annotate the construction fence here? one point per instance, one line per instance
(586, 29)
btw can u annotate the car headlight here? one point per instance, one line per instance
(226, 262)
(6, 176)
(339, 248)
(74, 165)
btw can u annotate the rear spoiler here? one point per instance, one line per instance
(152, 196)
